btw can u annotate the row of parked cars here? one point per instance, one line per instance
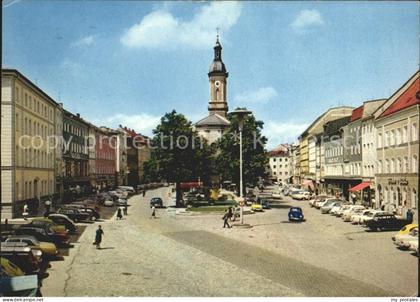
(28, 246)
(372, 219)
(296, 193)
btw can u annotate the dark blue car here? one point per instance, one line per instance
(295, 214)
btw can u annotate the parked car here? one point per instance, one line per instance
(22, 256)
(45, 234)
(301, 195)
(386, 221)
(295, 214)
(327, 207)
(357, 218)
(403, 241)
(256, 207)
(317, 198)
(356, 209)
(156, 201)
(45, 221)
(405, 230)
(265, 204)
(414, 246)
(48, 249)
(9, 268)
(93, 214)
(320, 203)
(74, 214)
(127, 189)
(120, 202)
(64, 220)
(343, 208)
(108, 203)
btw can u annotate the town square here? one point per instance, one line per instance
(209, 149)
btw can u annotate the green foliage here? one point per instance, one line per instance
(255, 158)
(178, 153)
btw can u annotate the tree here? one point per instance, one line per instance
(179, 154)
(254, 156)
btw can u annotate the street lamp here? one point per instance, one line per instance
(241, 114)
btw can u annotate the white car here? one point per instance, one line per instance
(317, 198)
(320, 203)
(328, 206)
(358, 218)
(351, 211)
(414, 246)
(403, 241)
(301, 195)
(108, 203)
(127, 188)
(340, 211)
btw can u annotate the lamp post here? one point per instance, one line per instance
(241, 114)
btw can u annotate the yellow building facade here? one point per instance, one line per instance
(29, 136)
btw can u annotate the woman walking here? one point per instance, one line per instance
(119, 214)
(98, 237)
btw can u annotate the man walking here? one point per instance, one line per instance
(225, 220)
(153, 212)
(125, 210)
(98, 237)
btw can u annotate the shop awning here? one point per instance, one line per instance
(308, 183)
(360, 186)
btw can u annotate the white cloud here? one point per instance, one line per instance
(84, 41)
(8, 3)
(143, 122)
(259, 96)
(162, 29)
(282, 132)
(307, 18)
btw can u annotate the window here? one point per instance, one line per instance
(17, 94)
(387, 139)
(414, 164)
(404, 134)
(379, 140)
(392, 138)
(414, 133)
(274, 159)
(399, 165)
(405, 165)
(392, 166)
(398, 137)
(387, 166)
(414, 199)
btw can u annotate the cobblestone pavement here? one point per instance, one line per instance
(191, 255)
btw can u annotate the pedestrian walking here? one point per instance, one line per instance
(25, 211)
(144, 193)
(119, 214)
(98, 237)
(153, 212)
(410, 215)
(125, 210)
(230, 213)
(225, 220)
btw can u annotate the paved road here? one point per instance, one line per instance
(168, 257)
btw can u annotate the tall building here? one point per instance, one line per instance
(29, 119)
(279, 165)
(214, 125)
(311, 146)
(75, 155)
(397, 124)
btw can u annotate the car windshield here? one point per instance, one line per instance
(295, 210)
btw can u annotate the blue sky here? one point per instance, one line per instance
(118, 62)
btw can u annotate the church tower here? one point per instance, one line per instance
(218, 83)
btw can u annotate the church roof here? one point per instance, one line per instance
(213, 120)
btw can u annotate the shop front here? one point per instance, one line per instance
(398, 194)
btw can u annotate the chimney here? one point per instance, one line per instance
(78, 115)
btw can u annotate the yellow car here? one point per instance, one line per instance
(256, 207)
(405, 230)
(58, 228)
(9, 268)
(47, 248)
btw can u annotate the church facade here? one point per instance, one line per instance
(213, 126)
